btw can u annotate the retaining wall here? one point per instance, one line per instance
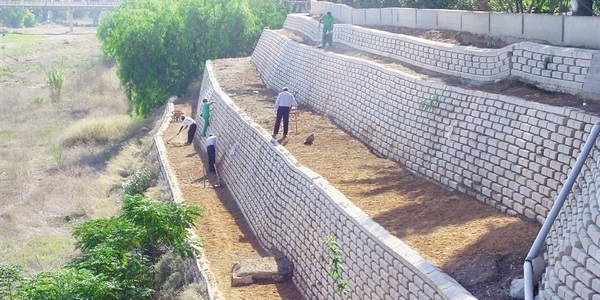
(293, 209)
(561, 30)
(505, 151)
(548, 67)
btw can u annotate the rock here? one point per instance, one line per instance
(263, 270)
(517, 288)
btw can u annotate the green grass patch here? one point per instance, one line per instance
(18, 44)
(42, 250)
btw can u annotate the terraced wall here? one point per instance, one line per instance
(505, 151)
(548, 67)
(292, 209)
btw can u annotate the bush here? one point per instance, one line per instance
(137, 183)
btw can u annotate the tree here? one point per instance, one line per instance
(160, 46)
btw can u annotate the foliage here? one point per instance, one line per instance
(335, 265)
(17, 17)
(55, 79)
(137, 183)
(66, 283)
(164, 224)
(430, 105)
(9, 278)
(117, 256)
(160, 46)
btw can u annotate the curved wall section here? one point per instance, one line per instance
(505, 151)
(293, 209)
(550, 68)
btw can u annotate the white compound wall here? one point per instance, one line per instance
(507, 152)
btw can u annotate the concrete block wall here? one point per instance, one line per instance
(465, 62)
(573, 246)
(507, 152)
(572, 31)
(551, 68)
(293, 209)
(548, 67)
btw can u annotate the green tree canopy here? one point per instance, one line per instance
(160, 46)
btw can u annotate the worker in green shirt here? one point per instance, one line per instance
(327, 20)
(205, 115)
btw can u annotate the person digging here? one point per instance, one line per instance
(327, 37)
(185, 123)
(284, 103)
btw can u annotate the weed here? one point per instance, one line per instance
(335, 265)
(430, 105)
(36, 100)
(547, 60)
(58, 154)
(56, 80)
(137, 183)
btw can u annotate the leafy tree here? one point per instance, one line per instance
(160, 46)
(17, 17)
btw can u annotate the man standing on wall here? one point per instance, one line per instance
(211, 144)
(285, 101)
(327, 20)
(205, 115)
(185, 123)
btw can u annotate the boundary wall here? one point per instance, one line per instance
(548, 67)
(195, 270)
(562, 30)
(292, 209)
(507, 152)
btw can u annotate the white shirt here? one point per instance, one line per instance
(188, 121)
(286, 99)
(211, 141)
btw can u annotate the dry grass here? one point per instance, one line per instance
(59, 160)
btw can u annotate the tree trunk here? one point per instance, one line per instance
(584, 8)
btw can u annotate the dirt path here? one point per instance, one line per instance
(225, 235)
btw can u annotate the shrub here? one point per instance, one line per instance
(56, 80)
(137, 183)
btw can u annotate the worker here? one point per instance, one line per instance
(327, 20)
(185, 123)
(205, 114)
(211, 144)
(285, 101)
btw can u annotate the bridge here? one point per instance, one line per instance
(70, 5)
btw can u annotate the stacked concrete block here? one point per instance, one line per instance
(483, 65)
(551, 68)
(293, 209)
(507, 152)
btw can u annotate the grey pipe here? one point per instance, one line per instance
(562, 196)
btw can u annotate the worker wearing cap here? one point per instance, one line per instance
(285, 101)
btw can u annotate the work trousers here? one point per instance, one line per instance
(283, 112)
(205, 127)
(211, 158)
(327, 37)
(191, 133)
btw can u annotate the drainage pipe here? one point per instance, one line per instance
(562, 196)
